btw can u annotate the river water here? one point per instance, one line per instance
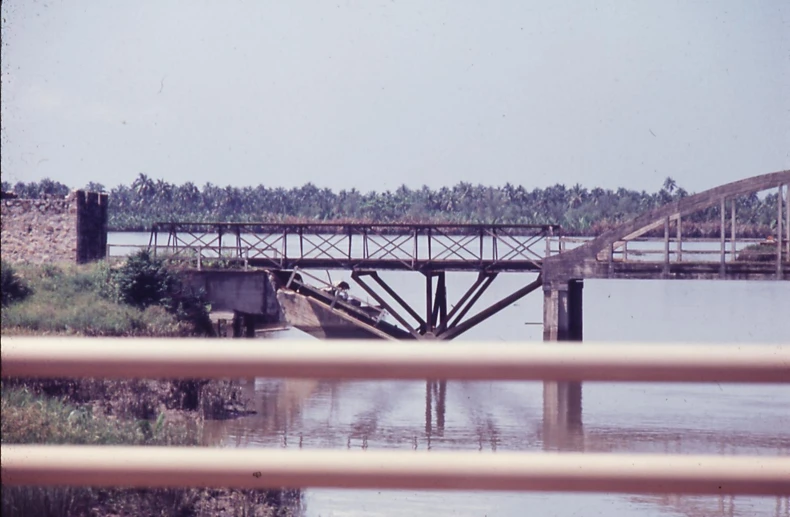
(493, 416)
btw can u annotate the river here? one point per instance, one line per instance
(492, 416)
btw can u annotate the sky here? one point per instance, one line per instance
(374, 94)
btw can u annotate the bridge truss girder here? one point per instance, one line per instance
(438, 323)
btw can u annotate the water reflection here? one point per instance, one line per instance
(562, 416)
(442, 415)
(504, 415)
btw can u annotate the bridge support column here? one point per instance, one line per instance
(562, 401)
(562, 311)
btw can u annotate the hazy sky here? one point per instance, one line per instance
(373, 94)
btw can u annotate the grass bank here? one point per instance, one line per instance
(138, 298)
(81, 300)
(30, 418)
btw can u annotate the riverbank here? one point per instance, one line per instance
(30, 418)
(90, 300)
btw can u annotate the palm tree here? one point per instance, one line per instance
(143, 186)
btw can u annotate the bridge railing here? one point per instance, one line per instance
(402, 246)
(170, 467)
(655, 249)
(729, 249)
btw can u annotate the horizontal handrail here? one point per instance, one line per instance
(203, 358)
(33, 465)
(353, 226)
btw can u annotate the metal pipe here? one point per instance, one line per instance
(354, 359)
(107, 466)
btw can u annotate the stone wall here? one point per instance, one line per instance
(54, 229)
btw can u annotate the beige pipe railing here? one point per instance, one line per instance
(266, 468)
(198, 467)
(203, 358)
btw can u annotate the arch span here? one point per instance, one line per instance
(595, 258)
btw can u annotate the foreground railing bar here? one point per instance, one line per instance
(36, 465)
(206, 358)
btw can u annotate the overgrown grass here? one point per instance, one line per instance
(142, 398)
(89, 300)
(33, 419)
(78, 300)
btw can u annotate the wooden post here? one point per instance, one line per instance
(679, 238)
(611, 259)
(779, 232)
(723, 235)
(787, 221)
(284, 248)
(666, 245)
(732, 232)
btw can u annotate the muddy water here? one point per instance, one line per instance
(491, 416)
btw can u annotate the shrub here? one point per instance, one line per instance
(144, 281)
(72, 299)
(13, 287)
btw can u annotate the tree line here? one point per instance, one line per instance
(579, 210)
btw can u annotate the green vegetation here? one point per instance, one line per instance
(760, 252)
(13, 287)
(78, 300)
(33, 419)
(145, 282)
(139, 298)
(580, 211)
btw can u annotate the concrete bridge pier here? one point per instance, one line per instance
(562, 311)
(562, 401)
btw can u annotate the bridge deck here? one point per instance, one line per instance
(687, 271)
(488, 249)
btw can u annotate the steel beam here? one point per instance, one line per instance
(390, 291)
(489, 279)
(480, 278)
(439, 313)
(385, 304)
(457, 330)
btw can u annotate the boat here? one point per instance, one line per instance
(328, 311)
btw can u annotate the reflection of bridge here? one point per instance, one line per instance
(489, 250)
(283, 421)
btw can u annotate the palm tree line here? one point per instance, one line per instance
(579, 210)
